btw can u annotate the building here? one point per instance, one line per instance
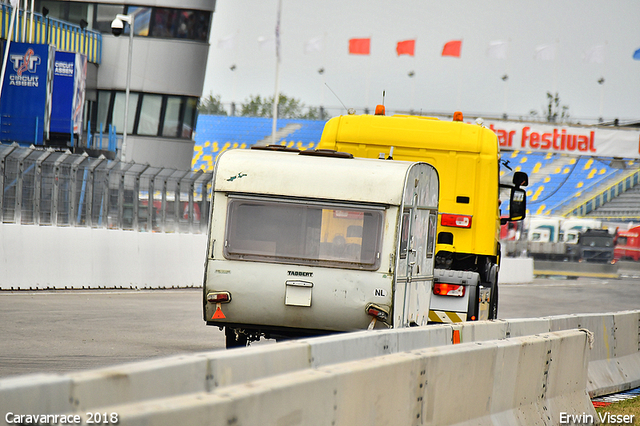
(169, 56)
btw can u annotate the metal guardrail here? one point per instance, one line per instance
(53, 187)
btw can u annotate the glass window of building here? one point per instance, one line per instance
(172, 117)
(150, 115)
(163, 22)
(117, 118)
(102, 116)
(141, 20)
(104, 14)
(56, 9)
(79, 12)
(189, 117)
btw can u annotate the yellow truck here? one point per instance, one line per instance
(467, 159)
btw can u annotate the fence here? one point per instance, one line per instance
(48, 187)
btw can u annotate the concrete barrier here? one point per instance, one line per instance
(520, 381)
(575, 269)
(614, 364)
(615, 358)
(515, 270)
(51, 257)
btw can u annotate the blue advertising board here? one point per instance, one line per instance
(67, 101)
(26, 90)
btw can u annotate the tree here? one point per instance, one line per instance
(211, 105)
(554, 111)
(288, 107)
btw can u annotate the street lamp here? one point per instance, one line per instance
(117, 27)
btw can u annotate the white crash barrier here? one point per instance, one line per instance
(516, 270)
(520, 381)
(615, 362)
(615, 358)
(58, 257)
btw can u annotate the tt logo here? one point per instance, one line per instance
(26, 62)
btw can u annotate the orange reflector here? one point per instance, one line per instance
(457, 116)
(379, 110)
(218, 313)
(444, 289)
(456, 337)
(456, 220)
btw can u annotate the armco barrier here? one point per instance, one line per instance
(519, 381)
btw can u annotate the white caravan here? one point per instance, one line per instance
(318, 242)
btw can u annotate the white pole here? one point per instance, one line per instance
(31, 31)
(129, 20)
(24, 20)
(276, 96)
(14, 17)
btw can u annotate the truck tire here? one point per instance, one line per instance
(233, 339)
(493, 302)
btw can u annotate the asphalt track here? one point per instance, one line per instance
(61, 331)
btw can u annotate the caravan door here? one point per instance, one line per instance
(414, 271)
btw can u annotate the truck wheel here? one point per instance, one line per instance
(493, 302)
(233, 339)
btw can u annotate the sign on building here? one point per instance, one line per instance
(25, 108)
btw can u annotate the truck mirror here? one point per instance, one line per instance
(517, 204)
(520, 179)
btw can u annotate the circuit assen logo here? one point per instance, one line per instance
(22, 64)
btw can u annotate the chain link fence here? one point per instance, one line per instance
(49, 187)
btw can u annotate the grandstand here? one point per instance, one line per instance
(216, 134)
(559, 184)
(558, 181)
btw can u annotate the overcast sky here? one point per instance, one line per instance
(593, 39)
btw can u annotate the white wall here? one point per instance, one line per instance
(516, 270)
(40, 257)
(58, 257)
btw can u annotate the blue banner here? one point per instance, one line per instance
(24, 106)
(63, 93)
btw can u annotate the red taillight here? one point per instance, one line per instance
(457, 220)
(219, 297)
(444, 289)
(377, 312)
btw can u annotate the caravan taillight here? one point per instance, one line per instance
(444, 289)
(456, 220)
(377, 312)
(219, 297)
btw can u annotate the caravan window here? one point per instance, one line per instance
(322, 234)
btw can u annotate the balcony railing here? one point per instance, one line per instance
(40, 30)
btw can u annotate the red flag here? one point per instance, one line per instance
(406, 47)
(452, 48)
(359, 46)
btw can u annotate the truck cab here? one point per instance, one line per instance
(466, 157)
(316, 242)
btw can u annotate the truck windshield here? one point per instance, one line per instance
(322, 234)
(597, 241)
